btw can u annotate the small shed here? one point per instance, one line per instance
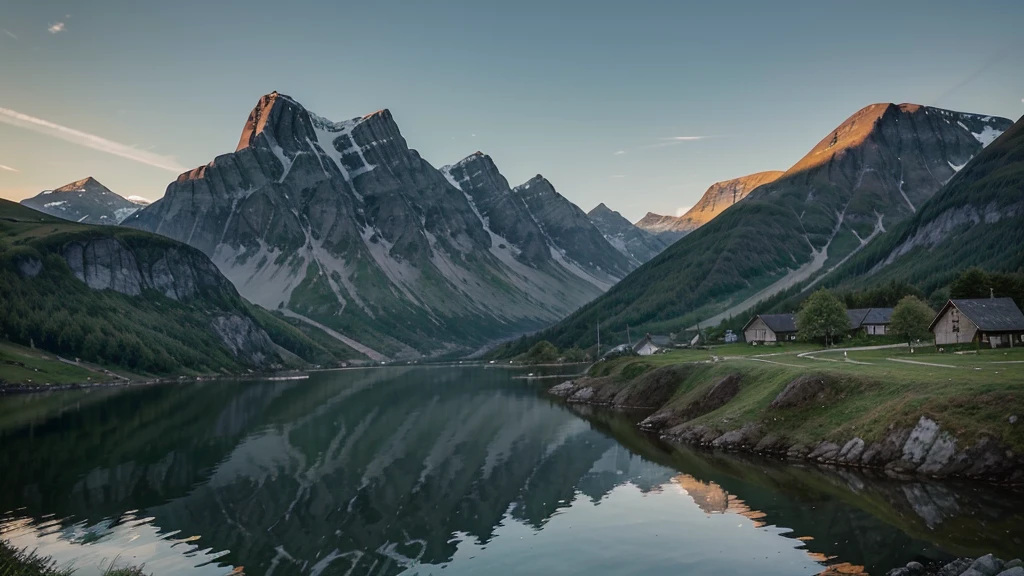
(652, 345)
(765, 328)
(992, 322)
(871, 321)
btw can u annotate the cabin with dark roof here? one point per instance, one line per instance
(989, 322)
(871, 321)
(770, 328)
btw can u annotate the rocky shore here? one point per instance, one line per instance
(925, 449)
(985, 566)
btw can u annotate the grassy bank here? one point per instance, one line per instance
(867, 391)
(14, 562)
(23, 365)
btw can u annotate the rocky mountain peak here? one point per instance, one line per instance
(85, 201)
(598, 210)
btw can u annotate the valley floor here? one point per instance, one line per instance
(920, 411)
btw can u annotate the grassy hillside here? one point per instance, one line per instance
(863, 179)
(44, 305)
(868, 392)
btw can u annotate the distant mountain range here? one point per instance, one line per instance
(636, 244)
(877, 169)
(715, 200)
(342, 225)
(86, 201)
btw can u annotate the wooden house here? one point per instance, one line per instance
(652, 345)
(989, 322)
(871, 321)
(768, 328)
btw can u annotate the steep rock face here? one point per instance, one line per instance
(108, 264)
(504, 212)
(571, 230)
(245, 338)
(85, 201)
(875, 170)
(715, 200)
(343, 224)
(975, 220)
(634, 243)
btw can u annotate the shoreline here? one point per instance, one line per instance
(699, 417)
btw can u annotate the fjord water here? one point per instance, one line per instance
(439, 471)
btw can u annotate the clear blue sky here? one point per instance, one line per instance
(589, 93)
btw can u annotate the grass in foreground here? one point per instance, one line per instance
(969, 395)
(14, 562)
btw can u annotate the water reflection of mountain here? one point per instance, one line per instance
(378, 469)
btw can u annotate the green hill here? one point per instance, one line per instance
(136, 301)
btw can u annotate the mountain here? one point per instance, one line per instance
(85, 201)
(342, 225)
(977, 219)
(636, 244)
(715, 200)
(873, 171)
(130, 299)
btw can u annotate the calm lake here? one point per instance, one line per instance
(440, 471)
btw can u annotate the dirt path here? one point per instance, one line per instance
(921, 363)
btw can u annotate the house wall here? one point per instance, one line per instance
(758, 331)
(875, 329)
(946, 329)
(1002, 339)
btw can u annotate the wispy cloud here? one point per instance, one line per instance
(56, 28)
(8, 169)
(9, 33)
(619, 152)
(682, 210)
(99, 143)
(682, 138)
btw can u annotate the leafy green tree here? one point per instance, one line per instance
(910, 319)
(822, 318)
(542, 352)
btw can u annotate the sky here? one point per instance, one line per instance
(641, 105)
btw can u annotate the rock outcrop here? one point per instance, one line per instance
(108, 263)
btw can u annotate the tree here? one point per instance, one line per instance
(822, 318)
(542, 352)
(910, 319)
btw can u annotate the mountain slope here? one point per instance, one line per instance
(343, 225)
(86, 201)
(977, 219)
(636, 244)
(866, 176)
(715, 200)
(132, 299)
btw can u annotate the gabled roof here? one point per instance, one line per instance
(878, 316)
(856, 317)
(778, 323)
(988, 314)
(658, 341)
